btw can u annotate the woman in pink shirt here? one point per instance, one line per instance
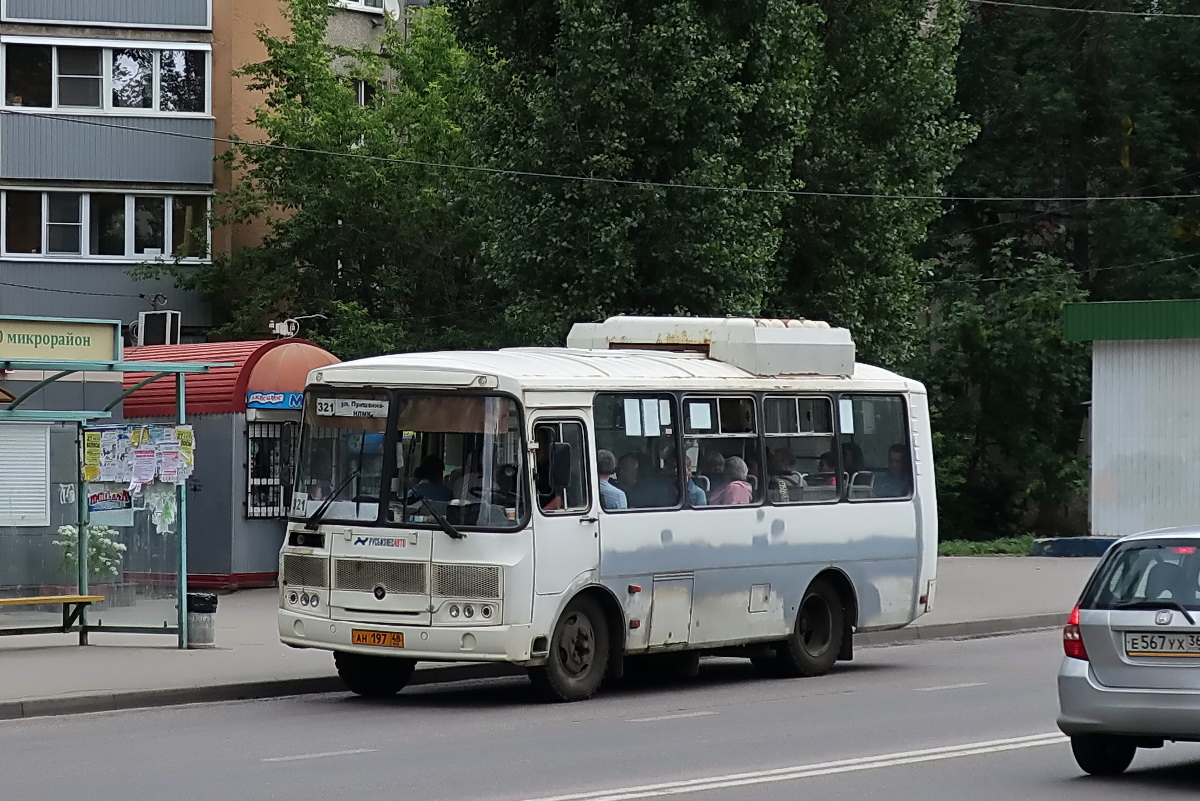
(737, 489)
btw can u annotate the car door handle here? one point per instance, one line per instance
(587, 520)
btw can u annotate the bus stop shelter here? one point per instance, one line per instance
(57, 349)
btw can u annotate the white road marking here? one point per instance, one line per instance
(671, 717)
(952, 687)
(322, 754)
(809, 771)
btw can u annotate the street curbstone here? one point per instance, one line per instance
(445, 673)
(1071, 546)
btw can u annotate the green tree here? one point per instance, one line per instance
(883, 123)
(1070, 105)
(358, 231)
(685, 92)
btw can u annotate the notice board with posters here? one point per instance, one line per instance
(134, 467)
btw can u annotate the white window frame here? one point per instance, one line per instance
(361, 5)
(106, 47)
(129, 256)
(31, 474)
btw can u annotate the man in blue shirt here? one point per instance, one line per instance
(610, 496)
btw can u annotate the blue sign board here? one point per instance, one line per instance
(275, 400)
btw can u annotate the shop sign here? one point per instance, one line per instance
(52, 339)
(275, 400)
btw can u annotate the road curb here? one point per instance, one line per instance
(1071, 546)
(250, 691)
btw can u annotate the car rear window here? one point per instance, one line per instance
(1147, 571)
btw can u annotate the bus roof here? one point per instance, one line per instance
(517, 370)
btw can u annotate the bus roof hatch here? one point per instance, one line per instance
(759, 346)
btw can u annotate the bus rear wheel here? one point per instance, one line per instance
(373, 676)
(578, 658)
(816, 639)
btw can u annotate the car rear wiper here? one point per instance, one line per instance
(1161, 603)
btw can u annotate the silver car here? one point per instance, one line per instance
(1131, 674)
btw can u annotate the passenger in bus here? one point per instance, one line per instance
(713, 464)
(611, 496)
(627, 472)
(695, 495)
(784, 486)
(737, 489)
(826, 470)
(653, 488)
(852, 458)
(897, 481)
(429, 480)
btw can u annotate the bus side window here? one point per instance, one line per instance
(640, 430)
(799, 437)
(721, 437)
(575, 497)
(875, 449)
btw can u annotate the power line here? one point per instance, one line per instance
(72, 291)
(607, 181)
(1142, 14)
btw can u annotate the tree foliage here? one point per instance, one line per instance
(385, 248)
(1069, 105)
(663, 92)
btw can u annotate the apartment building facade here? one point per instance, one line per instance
(112, 113)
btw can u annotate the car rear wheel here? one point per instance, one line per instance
(1102, 755)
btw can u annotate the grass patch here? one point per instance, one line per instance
(1006, 546)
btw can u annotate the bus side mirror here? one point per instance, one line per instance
(560, 465)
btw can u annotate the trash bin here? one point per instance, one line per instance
(202, 619)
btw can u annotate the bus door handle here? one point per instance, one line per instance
(588, 520)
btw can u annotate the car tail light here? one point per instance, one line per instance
(1072, 639)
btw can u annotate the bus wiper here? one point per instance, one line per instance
(315, 517)
(1160, 603)
(444, 524)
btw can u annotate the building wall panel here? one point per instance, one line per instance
(1145, 435)
(156, 13)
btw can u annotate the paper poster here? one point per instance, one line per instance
(91, 455)
(169, 463)
(633, 418)
(109, 505)
(145, 464)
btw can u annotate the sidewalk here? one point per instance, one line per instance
(49, 674)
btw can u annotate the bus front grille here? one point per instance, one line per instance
(364, 575)
(305, 571)
(466, 581)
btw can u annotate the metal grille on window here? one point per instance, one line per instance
(270, 455)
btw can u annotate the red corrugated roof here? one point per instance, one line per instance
(222, 390)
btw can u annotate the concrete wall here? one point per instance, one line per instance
(1145, 435)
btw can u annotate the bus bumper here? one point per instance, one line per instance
(435, 643)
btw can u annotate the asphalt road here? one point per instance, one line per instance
(935, 720)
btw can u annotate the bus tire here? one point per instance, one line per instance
(816, 638)
(579, 654)
(373, 676)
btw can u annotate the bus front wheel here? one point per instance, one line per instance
(373, 676)
(578, 658)
(816, 639)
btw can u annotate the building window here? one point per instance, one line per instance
(270, 456)
(106, 79)
(364, 92)
(360, 5)
(103, 224)
(25, 474)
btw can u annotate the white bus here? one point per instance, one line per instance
(661, 486)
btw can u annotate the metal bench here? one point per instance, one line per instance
(72, 613)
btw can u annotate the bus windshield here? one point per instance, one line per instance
(461, 457)
(341, 456)
(456, 456)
